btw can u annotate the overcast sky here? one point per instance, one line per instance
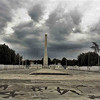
(71, 25)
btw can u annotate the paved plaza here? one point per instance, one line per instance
(39, 84)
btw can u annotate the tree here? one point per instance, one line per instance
(88, 59)
(72, 62)
(63, 61)
(8, 56)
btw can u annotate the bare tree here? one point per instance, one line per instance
(96, 49)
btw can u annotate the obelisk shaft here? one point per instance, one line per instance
(45, 61)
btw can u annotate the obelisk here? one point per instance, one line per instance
(45, 59)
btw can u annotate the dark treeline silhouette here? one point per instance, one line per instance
(41, 61)
(26, 62)
(8, 56)
(88, 59)
(84, 59)
(64, 62)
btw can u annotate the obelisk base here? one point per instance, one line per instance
(45, 66)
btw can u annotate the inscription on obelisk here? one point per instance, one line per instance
(45, 60)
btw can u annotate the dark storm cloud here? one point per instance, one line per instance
(65, 46)
(95, 31)
(5, 14)
(13, 4)
(23, 29)
(35, 48)
(65, 50)
(61, 23)
(76, 16)
(6, 7)
(27, 35)
(25, 39)
(96, 28)
(36, 12)
(58, 23)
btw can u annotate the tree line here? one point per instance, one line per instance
(84, 59)
(9, 56)
(89, 59)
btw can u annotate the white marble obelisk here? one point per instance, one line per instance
(45, 60)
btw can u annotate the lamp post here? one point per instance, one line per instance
(66, 62)
(88, 63)
(19, 60)
(98, 61)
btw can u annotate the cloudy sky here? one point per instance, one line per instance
(71, 25)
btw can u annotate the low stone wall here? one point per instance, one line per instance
(56, 66)
(6, 67)
(84, 68)
(37, 66)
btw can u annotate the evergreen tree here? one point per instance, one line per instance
(8, 56)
